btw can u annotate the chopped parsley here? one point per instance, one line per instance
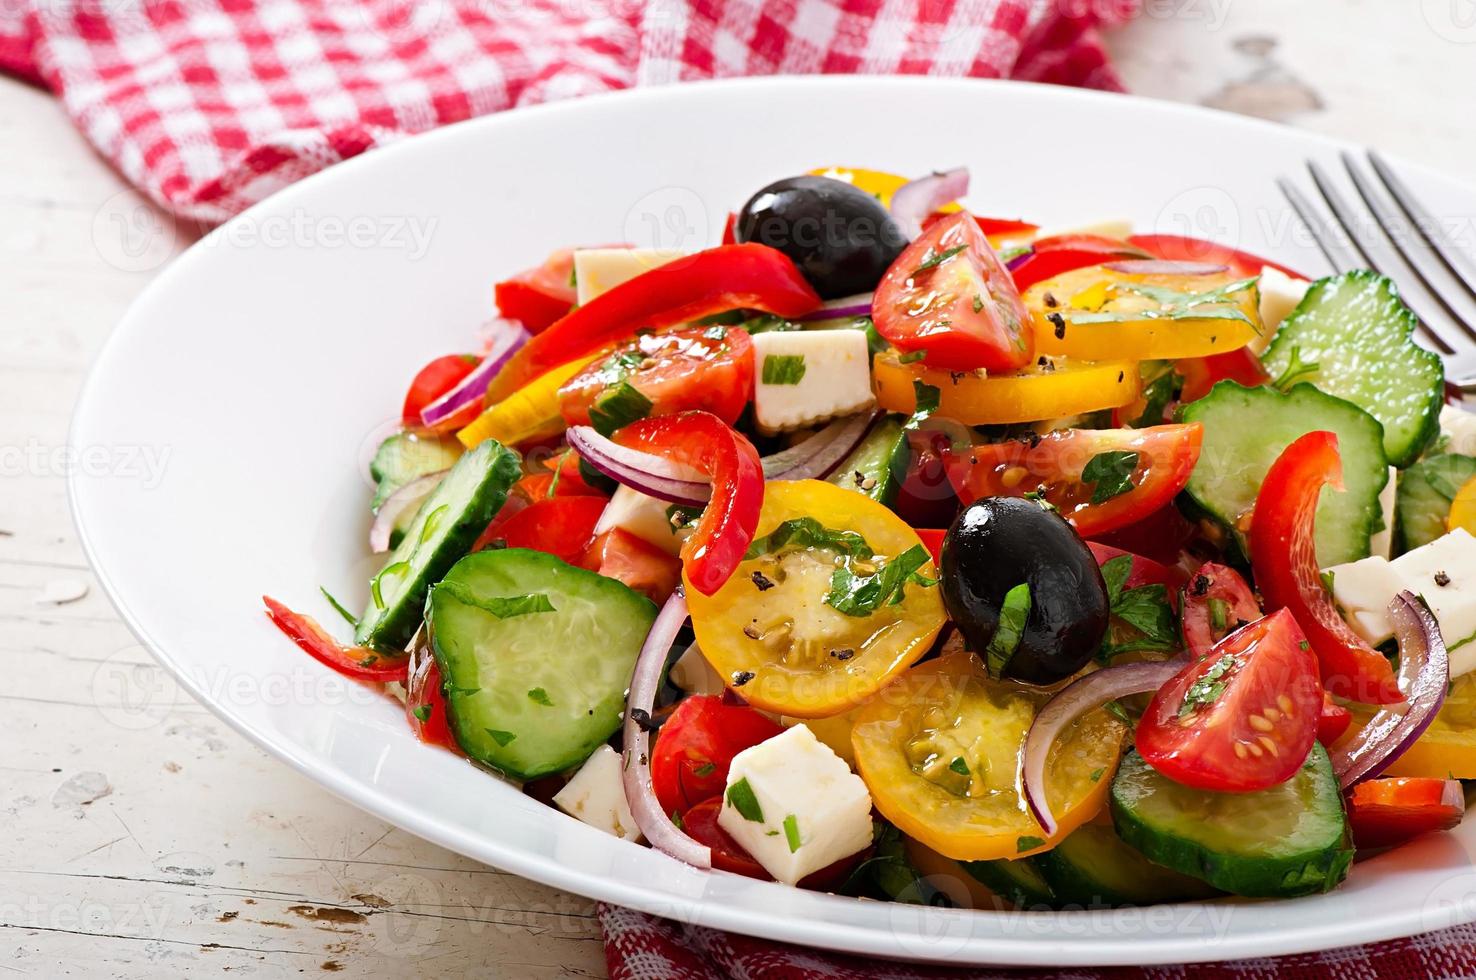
(338, 606)
(501, 606)
(783, 369)
(422, 712)
(706, 769)
(911, 356)
(1006, 640)
(959, 766)
(1207, 688)
(1219, 611)
(978, 303)
(1097, 774)
(791, 832)
(741, 798)
(1156, 398)
(1144, 610)
(935, 259)
(1296, 370)
(501, 738)
(1111, 474)
(1028, 844)
(539, 696)
(806, 532)
(863, 594)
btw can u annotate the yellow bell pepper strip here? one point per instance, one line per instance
(531, 412)
(1447, 749)
(1463, 508)
(1040, 391)
(728, 277)
(1099, 313)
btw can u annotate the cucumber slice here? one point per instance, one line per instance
(1245, 429)
(876, 467)
(1093, 868)
(534, 692)
(1280, 842)
(406, 456)
(1359, 333)
(1019, 881)
(1423, 501)
(444, 529)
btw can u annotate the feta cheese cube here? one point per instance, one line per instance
(599, 270)
(1382, 542)
(1458, 430)
(1280, 294)
(1363, 589)
(795, 806)
(644, 516)
(809, 376)
(1444, 572)
(693, 674)
(596, 796)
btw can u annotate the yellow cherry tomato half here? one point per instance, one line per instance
(1447, 749)
(1463, 508)
(1098, 314)
(940, 750)
(777, 631)
(1054, 389)
(531, 412)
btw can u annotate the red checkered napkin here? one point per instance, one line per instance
(210, 105)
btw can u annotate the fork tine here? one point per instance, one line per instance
(1365, 245)
(1338, 256)
(1449, 291)
(1455, 260)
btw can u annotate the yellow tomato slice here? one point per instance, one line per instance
(1097, 313)
(1447, 749)
(1049, 391)
(769, 631)
(531, 412)
(940, 751)
(1463, 508)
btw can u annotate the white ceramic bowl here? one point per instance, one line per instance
(261, 369)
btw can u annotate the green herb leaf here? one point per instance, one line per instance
(863, 594)
(806, 532)
(617, 407)
(1219, 611)
(791, 832)
(1097, 774)
(741, 798)
(959, 766)
(1112, 474)
(704, 770)
(503, 607)
(1115, 572)
(1208, 686)
(928, 397)
(783, 369)
(1156, 397)
(422, 712)
(1297, 370)
(1117, 711)
(348, 616)
(1006, 640)
(935, 259)
(911, 356)
(501, 738)
(1028, 844)
(539, 696)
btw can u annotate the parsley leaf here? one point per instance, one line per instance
(863, 594)
(806, 532)
(1006, 640)
(352, 621)
(911, 356)
(783, 369)
(1112, 474)
(539, 696)
(928, 398)
(1145, 610)
(501, 738)
(935, 259)
(503, 607)
(1208, 686)
(1297, 370)
(422, 712)
(1156, 397)
(959, 766)
(1028, 844)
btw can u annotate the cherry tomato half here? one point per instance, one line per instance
(559, 526)
(1242, 718)
(1217, 602)
(1099, 479)
(433, 381)
(537, 297)
(948, 294)
(1145, 571)
(689, 762)
(637, 563)
(1385, 812)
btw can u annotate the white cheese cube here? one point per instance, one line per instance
(1280, 294)
(1451, 560)
(1458, 430)
(1382, 543)
(644, 516)
(795, 806)
(1363, 589)
(596, 796)
(693, 674)
(599, 270)
(805, 377)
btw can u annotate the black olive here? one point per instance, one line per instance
(841, 238)
(998, 543)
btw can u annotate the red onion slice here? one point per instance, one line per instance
(506, 341)
(1020, 259)
(837, 309)
(1424, 675)
(917, 199)
(412, 494)
(1166, 267)
(1074, 700)
(645, 680)
(819, 456)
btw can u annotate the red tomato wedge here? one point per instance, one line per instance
(1099, 479)
(1385, 812)
(1242, 718)
(695, 746)
(1145, 571)
(360, 663)
(948, 294)
(537, 297)
(559, 526)
(1180, 248)
(637, 563)
(1333, 721)
(706, 368)
(1284, 559)
(433, 381)
(1217, 602)
(1050, 256)
(1159, 536)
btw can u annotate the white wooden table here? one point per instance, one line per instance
(140, 837)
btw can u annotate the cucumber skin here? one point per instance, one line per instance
(1019, 881)
(393, 466)
(1408, 431)
(883, 456)
(1076, 885)
(1247, 876)
(1415, 523)
(1301, 401)
(591, 724)
(390, 628)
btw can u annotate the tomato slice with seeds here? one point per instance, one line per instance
(1216, 603)
(695, 746)
(1242, 718)
(1385, 812)
(1099, 479)
(949, 296)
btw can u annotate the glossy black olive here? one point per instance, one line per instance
(999, 542)
(841, 238)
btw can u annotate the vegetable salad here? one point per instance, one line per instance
(891, 550)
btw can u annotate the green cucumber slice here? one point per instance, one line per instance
(533, 686)
(407, 456)
(876, 467)
(1288, 840)
(1359, 333)
(1423, 501)
(1246, 429)
(1093, 868)
(444, 529)
(1019, 881)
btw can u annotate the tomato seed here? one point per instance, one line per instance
(1261, 724)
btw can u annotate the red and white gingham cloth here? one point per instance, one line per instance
(208, 106)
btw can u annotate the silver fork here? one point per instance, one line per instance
(1404, 242)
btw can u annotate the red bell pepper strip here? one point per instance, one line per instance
(1385, 812)
(707, 443)
(539, 296)
(990, 226)
(1203, 373)
(1181, 248)
(1050, 256)
(728, 277)
(360, 663)
(1284, 558)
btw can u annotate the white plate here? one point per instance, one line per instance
(261, 369)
